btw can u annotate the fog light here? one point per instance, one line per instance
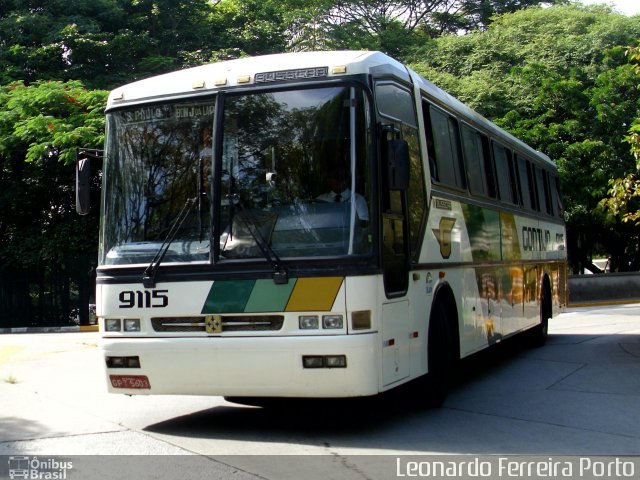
(112, 325)
(332, 321)
(132, 362)
(131, 324)
(115, 362)
(313, 361)
(324, 361)
(123, 362)
(335, 361)
(308, 322)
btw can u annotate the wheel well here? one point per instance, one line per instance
(444, 295)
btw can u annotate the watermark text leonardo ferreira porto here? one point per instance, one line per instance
(508, 467)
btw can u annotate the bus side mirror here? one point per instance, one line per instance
(83, 184)
(398, 164)
(84, 177)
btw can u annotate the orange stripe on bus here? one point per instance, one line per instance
(314, 294)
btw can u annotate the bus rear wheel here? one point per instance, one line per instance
(540, 332)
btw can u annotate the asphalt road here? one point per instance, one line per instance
(578, 395)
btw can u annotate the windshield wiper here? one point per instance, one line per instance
(149, 274)
(280, 273)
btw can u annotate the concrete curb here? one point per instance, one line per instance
(603, 303)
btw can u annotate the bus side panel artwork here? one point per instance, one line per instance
(504, 298)
(446, 237)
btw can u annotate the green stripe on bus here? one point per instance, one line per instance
(228, 296)
(267, 296)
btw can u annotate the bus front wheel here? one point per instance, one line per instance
(441, 356)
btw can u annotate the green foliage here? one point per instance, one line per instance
(40, 233)
(50, 119)
(102, 42)
(109, 42)
(249, 27)
(634, 132)
(623, 201)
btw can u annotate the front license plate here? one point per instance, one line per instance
(130, 381)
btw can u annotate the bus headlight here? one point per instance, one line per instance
(332, 322)
(112, 325)
(308, 322)
(131, 324)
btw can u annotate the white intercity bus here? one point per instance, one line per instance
(321, 224)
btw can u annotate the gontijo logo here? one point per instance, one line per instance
(35, 468)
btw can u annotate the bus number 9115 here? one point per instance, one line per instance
(144, 299)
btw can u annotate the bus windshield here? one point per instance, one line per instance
(291, 178)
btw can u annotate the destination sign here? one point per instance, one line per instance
(296, 74)
(166, 112)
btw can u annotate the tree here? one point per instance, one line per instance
(396, 27)
(250, 27)
(623, 202)
(557, 78)
(46, 250)
(102, 42)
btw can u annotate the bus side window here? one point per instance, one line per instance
(533, 189)
(474, 161)
(525, 193)
(542, 197)
(489, 168)
(508, 182)
(556, 193)
(431, 149)
(513, 178)
(547, 193)
(504, 174)
(446, 139)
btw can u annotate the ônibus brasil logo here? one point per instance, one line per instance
(35, 468)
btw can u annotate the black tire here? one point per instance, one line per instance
(540, 332)
(441, 356)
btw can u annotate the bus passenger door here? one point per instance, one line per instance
(397, 114)
(395, 342)
(395, 315)
(394, 248)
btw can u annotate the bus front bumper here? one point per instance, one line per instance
(244, 366)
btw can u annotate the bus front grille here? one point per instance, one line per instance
(218, 324)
